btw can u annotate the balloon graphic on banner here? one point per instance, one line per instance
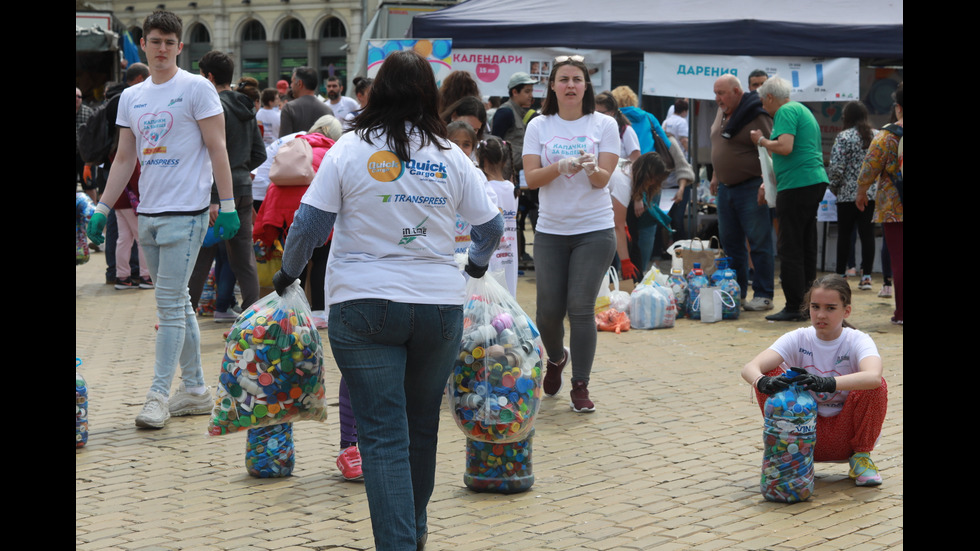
(438, 52)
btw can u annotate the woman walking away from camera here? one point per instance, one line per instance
(395, 292)
(843, 371)
(570, 151)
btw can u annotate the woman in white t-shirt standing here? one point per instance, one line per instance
(570, 151)
(843, 370)
(394, 185)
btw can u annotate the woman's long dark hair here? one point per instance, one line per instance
(403, 92)
(467, 106)
(606, 100)
(648, 174)
(856, 116)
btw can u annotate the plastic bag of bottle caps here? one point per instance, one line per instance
(272, 371)
(270, 452)
(81, 408)
(789, 437)
(495, 387)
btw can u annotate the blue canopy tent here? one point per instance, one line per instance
(825, 28)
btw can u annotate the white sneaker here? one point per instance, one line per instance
(185, 403)
(155, 412)
(758, 304)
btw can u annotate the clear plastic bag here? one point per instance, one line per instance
(652, 307)
(495, 387)
(272, 371)
(789, 439)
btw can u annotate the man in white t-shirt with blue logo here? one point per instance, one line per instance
(337, 101)
(173, 125)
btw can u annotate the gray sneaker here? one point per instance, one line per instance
(155, 412)
(185, 403)
(757, 304)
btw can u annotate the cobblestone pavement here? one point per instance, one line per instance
(670, 459)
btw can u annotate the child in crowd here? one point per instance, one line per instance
(493, 156)
(843, 370)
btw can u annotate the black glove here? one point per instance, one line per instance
(771, 385)
(817, 383)
(475, 271)
(281, 281)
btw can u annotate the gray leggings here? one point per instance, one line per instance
(569, 270)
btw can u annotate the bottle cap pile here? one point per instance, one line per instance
(270, 452)
(502, 468)
(495, 386)
(272, 371)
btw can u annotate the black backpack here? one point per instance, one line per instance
(95, 137)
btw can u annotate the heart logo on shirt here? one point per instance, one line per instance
(154, 126)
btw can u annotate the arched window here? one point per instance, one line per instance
(255, 53)
(292, 47)
(332, 54)
(198, 43)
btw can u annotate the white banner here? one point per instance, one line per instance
(492, 68)
(694, 75)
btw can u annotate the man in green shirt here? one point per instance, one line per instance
(797, 160)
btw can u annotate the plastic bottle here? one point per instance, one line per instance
(270, 452)
(724, 278)
(501, 468)
(81, 410)
(696, 280)
(678, 284)
(789, 436)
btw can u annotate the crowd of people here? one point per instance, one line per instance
(587, 169)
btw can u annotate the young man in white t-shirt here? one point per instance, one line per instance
(173, 125)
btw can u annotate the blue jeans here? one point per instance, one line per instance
(741, 218)
(170, 245)
(396, 359)
(569, 271)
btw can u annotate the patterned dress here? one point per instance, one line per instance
(882, 157)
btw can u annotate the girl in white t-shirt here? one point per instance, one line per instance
(493, 156)
(268, 115)
(843, 370)
(569, 152)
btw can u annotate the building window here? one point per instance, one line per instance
(199, 44)
(255, 53)
(332, 59)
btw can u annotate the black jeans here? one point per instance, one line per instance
(797, 241)
(849, 217)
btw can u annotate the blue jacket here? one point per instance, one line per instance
(641, 121)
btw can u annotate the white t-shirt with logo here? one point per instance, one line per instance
(841, 356)
(569, 205)
(505, 257)
(175, 168)
(395, 231)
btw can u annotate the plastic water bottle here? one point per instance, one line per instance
(696, 280)
(270, 452)
(724, 278)
(502, 468)
(789, 436)
(678, 284)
